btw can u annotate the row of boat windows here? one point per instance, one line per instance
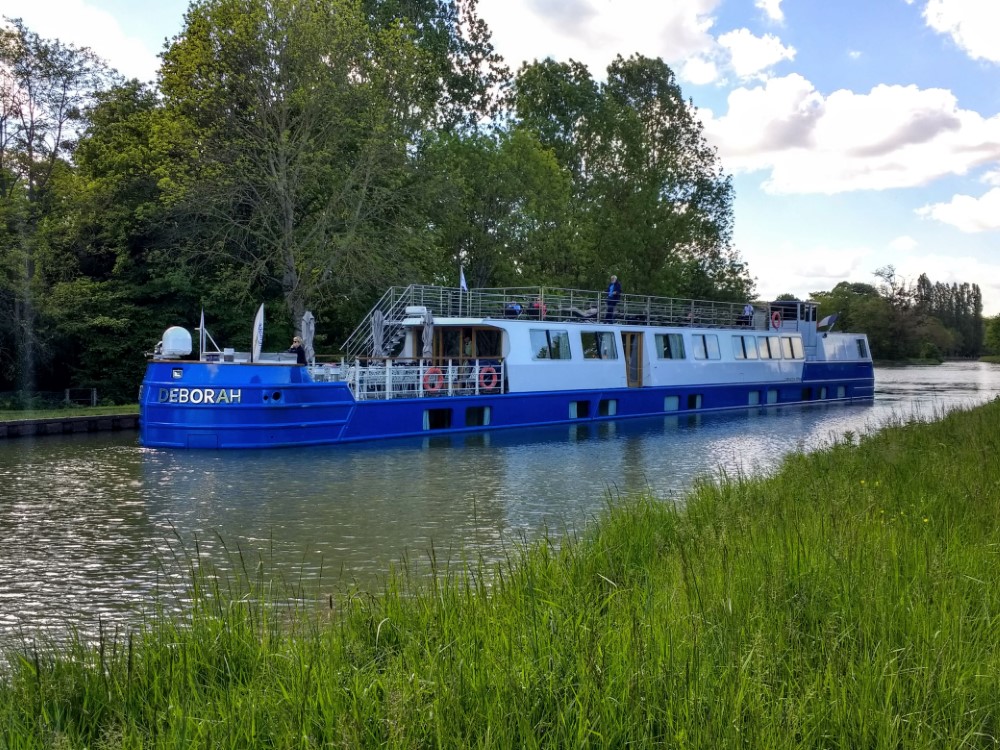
(554, 344)
(481, 416)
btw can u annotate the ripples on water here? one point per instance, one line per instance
(94, 526)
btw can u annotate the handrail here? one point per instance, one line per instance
(553, 304)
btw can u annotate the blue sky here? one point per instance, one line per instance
(859, 133)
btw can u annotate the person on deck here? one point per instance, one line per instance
(298, 350)
(747, 318)
(538, 309)
(614, 295)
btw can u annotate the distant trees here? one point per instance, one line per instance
(906, 321)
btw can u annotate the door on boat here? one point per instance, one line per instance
(632, 343)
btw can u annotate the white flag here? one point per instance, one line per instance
(258, 335)
(461, 279)
(201, 336)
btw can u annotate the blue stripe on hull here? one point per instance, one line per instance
(232, 407)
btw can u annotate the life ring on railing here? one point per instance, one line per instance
(433, 379)
(776, 319)
(488, 378)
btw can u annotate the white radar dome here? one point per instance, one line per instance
(176, 342)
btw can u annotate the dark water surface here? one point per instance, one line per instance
(93, 525)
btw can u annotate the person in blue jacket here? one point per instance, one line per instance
(614, 295)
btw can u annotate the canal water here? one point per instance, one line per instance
(97, 529)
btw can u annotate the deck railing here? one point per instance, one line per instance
(388, 377)
(550, 303)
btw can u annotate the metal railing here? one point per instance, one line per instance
(548, 303)
(385, 378)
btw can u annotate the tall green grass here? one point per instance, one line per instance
(851, 600)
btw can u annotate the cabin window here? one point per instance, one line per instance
(769, 347)
(807, 394)
(437, 419)
(546, 344)
(786, 347)
(579, 409)
(797, 351)
(706, 346)
(822, 392)
(744, 347)
(670, 346)
(599, 345)
(671, 403)
(477, 416)
(841, 391)
(694, 401)
(772, 395)
(753, 398)
(862, 349)
(607, 407)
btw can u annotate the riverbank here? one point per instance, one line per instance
(29, 423)
(849, 600)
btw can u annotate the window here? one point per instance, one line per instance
(744, 347)
(671, 403)
(477, 416)
(754, 398)
(549, 344)
(669, 346)
(797, 351)
(862, 349)
(694, 401)
(598, 345)
(772, 396)
(607, 407)
(706, 346)
(579, 409)
(786, 347)
(769, 347)
(437, 419)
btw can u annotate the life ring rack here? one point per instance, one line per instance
(776, 319)
(433, 379)
(488, 378)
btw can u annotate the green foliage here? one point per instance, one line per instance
(845, 601)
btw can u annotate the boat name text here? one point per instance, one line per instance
(201, 395)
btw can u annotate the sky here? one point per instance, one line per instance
(859, 134)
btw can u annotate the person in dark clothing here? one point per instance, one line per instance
(298, 350)
(614, 295)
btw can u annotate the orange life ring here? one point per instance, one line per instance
(488, 378)
(433, 379)
(776, 319)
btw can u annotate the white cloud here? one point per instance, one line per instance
(78, 23)
(751, 54)
(903, 244)
(992, 177)
(699, 71)
(893, 136)
(595, 31)
(966, 213)
(772, 8)
(974, 25)
(854, 54)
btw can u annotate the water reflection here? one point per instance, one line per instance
(95, 525)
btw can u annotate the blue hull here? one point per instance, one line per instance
(206, 405)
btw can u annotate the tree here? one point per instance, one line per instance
(653, 203)
(45, 87)
(298, 120)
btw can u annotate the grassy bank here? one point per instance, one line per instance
(13, 415)
(850, 600)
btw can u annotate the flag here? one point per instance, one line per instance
(461, 279)
(201, 336)
(828, 321)
(258, 335)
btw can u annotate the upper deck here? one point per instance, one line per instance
(553, 304)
